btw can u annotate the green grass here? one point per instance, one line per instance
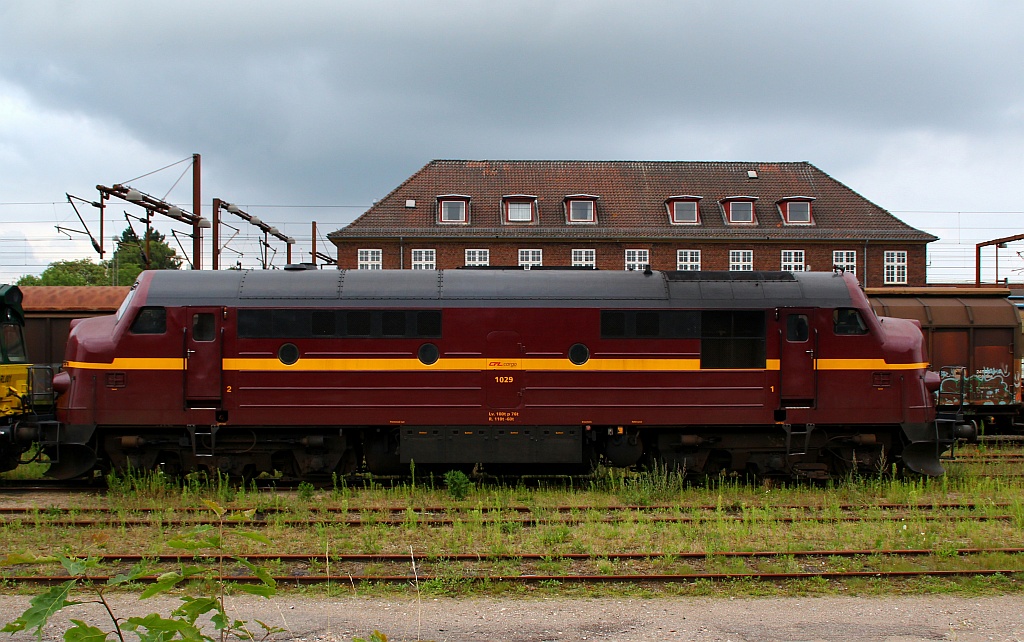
(726, 514)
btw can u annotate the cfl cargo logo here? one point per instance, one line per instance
(503, 365)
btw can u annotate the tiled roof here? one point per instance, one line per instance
(631, 203)
(73, 298)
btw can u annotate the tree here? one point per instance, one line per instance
(81, 272)
(129, 259)
(130, 256)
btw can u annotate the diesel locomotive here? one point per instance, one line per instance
(308, 373)
(26, 394)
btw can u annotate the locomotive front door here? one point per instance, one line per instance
(504, 369)
(797, 357)
(202, 356)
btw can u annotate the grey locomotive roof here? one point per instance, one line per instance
(507, 287)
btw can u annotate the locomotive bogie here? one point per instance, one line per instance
(318, 373)
(302, 452)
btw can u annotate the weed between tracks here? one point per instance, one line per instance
(659, 513)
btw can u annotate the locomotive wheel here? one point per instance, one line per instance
(70, 461)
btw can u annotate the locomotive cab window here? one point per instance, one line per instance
(150, 321)
(848, 321)
(13, 343)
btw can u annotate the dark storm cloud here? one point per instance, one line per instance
(337, 102)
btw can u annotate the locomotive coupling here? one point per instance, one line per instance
(968, 432)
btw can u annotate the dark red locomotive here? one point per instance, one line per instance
(317, 372)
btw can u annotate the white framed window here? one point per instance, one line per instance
(519, 208)
(518, 211)
(637, 259)
(895, 265)
(478, 257)
(424, 260)
(454, 211)
(741, 260)
(792, 260)
(584, 258)
(797, 212)
(684, 210)
(370, 259)
(845, 259)
(741, 211)
(531, 258)
(581, 211)
(688, 260)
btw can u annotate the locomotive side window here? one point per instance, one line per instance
(290, 323)
(797, 328)
(613, 324)
(301, 323)
(150, 321)
(732, 339)
(650, 324)
(428, 323)
(392, 323)
(324, 323)
(359, 323)
(203, 327)
(848, 321)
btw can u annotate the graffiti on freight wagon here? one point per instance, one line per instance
(987, 386)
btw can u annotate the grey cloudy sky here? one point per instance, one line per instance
(311, 110)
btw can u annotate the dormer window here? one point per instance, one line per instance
(796, 210)
(683, 210)
(739, 210)
(519, 208)
(453, 208)
(581, 208)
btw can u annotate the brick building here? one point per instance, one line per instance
(616, 215)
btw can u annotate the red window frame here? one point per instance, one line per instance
(506, 203)
(580, 198)
(727, 206)
(593, 211)
(786, 203)
(453, 198)
(676, 200)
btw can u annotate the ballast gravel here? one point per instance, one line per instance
(902, 619)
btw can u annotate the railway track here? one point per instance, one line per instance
(486, 510)
(407, 518)
(641, 568)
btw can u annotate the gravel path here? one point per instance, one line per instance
(620, 620)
